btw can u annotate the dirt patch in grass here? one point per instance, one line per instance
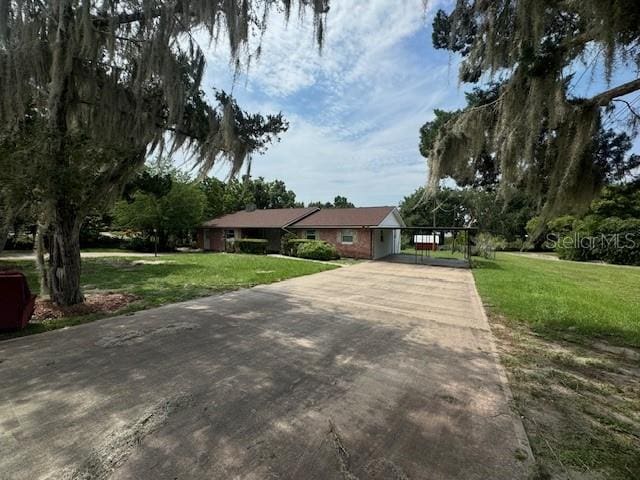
(579, 402)
(94, 303)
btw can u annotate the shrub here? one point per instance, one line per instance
(20, 243)
(570, 247)
(485, 245)
(617, 240)
(102, 241)
(317, 250)
(516, 245)
(290, 245)
(256, 246)
(140, 244)
(611, 240)
(285, 247)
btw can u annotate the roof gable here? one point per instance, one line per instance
(267, 218)
(393, 219)
(345, 217)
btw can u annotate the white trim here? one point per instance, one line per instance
(393, 219)
(352, 235)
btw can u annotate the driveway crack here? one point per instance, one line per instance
(342, 454)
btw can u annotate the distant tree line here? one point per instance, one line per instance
(484, 209)
(338, 202)
(161, 207)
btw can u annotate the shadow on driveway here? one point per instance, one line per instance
(376, 371)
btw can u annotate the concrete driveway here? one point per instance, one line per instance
(374, 371)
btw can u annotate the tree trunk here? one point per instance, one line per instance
(5, 225)
(39, 243)
(4, 235)
(64, 265)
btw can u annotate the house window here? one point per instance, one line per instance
(346, 236)
(382, 235)
(311, 235)
(229, 234)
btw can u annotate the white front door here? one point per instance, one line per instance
(206, 236)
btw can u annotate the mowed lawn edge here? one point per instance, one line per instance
(563, 298)
(567, 334)
(168, 278)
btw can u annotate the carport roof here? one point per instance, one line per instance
(268, 218)
(345, 217)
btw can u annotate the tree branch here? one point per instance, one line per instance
(124, 18)
(628, 104)
(604, 98)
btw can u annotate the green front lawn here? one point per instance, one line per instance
(170, 278)
(457, 255)
(564, 297)
(567, 334)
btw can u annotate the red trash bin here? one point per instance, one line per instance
(16, 301)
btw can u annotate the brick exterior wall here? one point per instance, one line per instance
(361, 247)
(216, 239)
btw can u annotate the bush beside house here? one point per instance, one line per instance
(256, 246)
(290, 244)
(293, 246)
(317, 250)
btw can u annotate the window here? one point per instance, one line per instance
(346, 236)
(382, 235)
(311, 235)
(229, 234)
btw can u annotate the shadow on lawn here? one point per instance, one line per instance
(155, 284)
(580, 403)
(485, 264)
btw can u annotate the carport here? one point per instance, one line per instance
(428, 247)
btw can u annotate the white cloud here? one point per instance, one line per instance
(355, 110)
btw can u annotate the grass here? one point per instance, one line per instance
(567, 298)
(567, 334)
(447, 254)
(169, 279)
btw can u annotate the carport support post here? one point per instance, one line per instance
(373, 257)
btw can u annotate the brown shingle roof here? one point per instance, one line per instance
(272, 218)
(345, 217)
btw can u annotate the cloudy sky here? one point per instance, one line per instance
(354, 110)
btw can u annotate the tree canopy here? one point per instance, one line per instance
(338, 202)
(536, 122)
(607, 155)
(485, 209)
(236, 194)
(162, 209)
(110, 82)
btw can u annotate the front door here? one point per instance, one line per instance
(206, 237)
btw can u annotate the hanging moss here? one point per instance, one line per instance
(130, 70)
(110, 82)
(535, 126)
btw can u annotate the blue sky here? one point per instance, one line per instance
(354, 110)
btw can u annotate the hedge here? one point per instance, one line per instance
(612, 240)
(251, 245)
(290, 244)
(317, 250)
